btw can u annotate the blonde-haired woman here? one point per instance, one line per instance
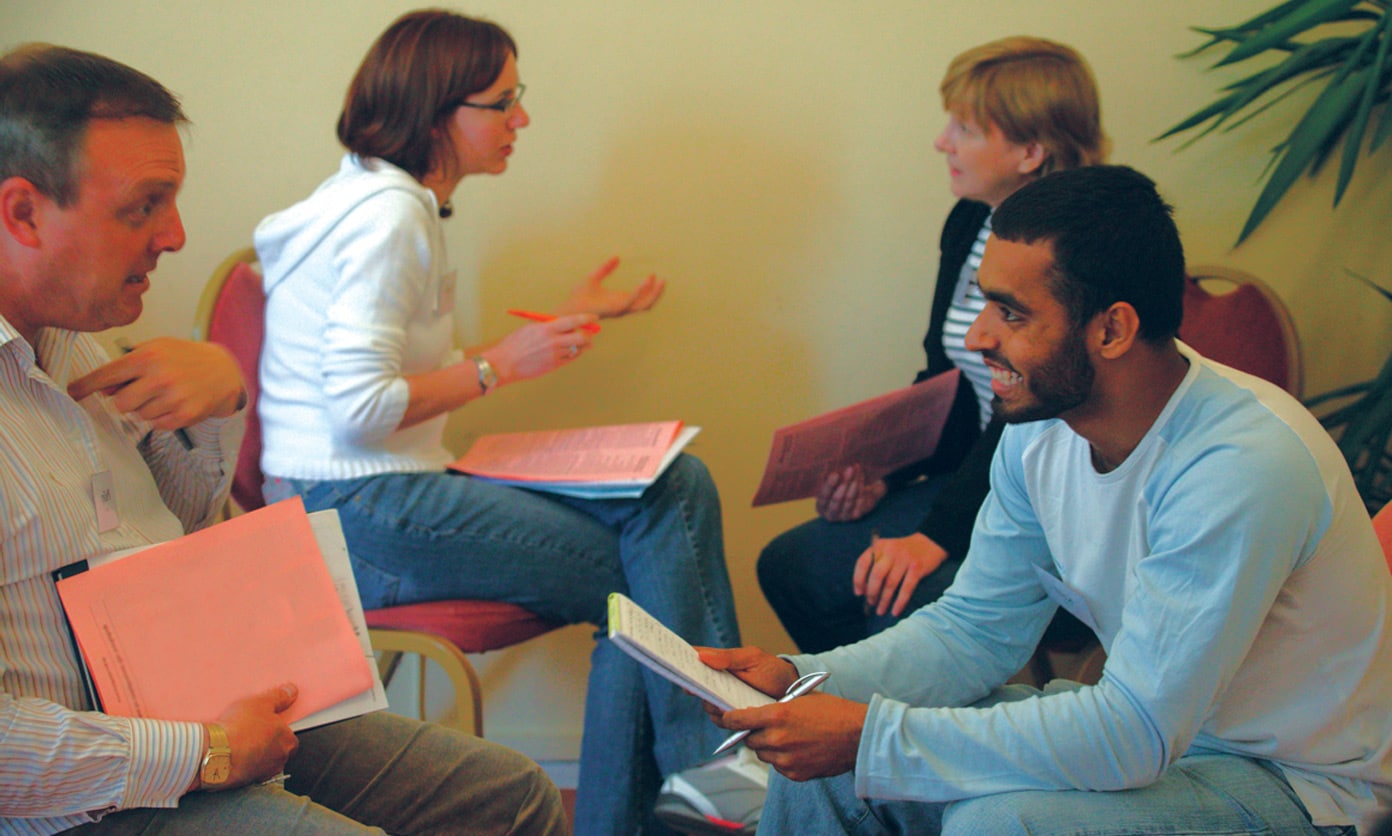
(1017, 109)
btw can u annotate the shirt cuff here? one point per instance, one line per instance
(164, 758)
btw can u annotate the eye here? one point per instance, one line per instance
(1007, 314)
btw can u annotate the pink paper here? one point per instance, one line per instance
(180, 630)
(614, 453)
(881, 434)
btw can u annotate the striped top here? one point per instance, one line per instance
(967, 304)
(62, 764)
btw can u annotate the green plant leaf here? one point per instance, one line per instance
(1299, 19)
(1309, 58)
(1353, 140)
(1310, 139)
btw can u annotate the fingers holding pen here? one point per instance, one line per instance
(534, 350)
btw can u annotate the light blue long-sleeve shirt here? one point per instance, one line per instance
(1232, 575)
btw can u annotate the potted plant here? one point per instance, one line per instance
(1345, 46)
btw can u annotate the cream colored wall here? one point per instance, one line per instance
(773, 159)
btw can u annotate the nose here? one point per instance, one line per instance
(171, 236)
(519, 118)
(940, 144)
(978, 337)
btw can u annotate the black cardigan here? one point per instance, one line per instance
(965, 450)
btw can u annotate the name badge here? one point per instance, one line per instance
(444, 300)
(1067, 597)
(104, 501)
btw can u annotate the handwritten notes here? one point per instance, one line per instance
(646, 639)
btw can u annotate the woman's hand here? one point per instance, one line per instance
(591, 296)
(846, 496)
(534, 350)
(888, 572)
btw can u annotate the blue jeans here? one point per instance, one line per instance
(1201, 793)
(805, 572)
(431, 536)
(372, 774)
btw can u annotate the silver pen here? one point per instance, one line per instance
(800, 686)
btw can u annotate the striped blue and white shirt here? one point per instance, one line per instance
(62, 764)
(967, 304)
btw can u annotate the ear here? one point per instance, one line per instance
(19, 210)
(1116, 330)
(1034, 157)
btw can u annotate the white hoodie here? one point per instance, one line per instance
(358, 294)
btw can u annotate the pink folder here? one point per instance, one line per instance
(180, 630)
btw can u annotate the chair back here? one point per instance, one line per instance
(1236, 319)
(1382, 523)
(232, 314)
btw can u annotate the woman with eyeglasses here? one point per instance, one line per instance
(1017, 109)
(358, 375)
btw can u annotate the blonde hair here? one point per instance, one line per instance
(1032, 90)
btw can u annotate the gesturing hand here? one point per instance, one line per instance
(591, 296)
(169, 383)
(888, 572)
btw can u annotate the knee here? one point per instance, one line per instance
(1006, 814)
(693, 475)
(542, 810)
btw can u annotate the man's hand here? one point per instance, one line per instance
(846, 496)
(812, 736)
(260, 738)
(764, 671)
(169, 383)
(888, 572)
(591, 296)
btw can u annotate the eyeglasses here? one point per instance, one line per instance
(503, 105)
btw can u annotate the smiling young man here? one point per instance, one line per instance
(1199, 519)
(90, 165)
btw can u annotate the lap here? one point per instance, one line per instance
(379, 772)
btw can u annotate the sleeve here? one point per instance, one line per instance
(382, 262)
(194, 483)
(979, 633)
(76, 766)
(949, 522)
(1186, 628)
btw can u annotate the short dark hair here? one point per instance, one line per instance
(1114, 240)
(413, 78)
(48, 96)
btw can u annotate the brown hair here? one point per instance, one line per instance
(1032, 90)
(48, 96)
(413, 78)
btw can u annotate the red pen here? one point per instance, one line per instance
(588, 327)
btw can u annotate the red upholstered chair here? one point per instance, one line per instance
(1234, 318)
(1382, 523)
(231, 313)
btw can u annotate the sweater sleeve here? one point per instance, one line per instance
(382, 264)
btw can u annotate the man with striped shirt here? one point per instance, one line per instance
(100, 455)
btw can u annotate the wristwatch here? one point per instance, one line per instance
(487, 378)
(217, 764)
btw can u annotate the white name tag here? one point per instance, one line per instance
(1067, 597)
(104, 501)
